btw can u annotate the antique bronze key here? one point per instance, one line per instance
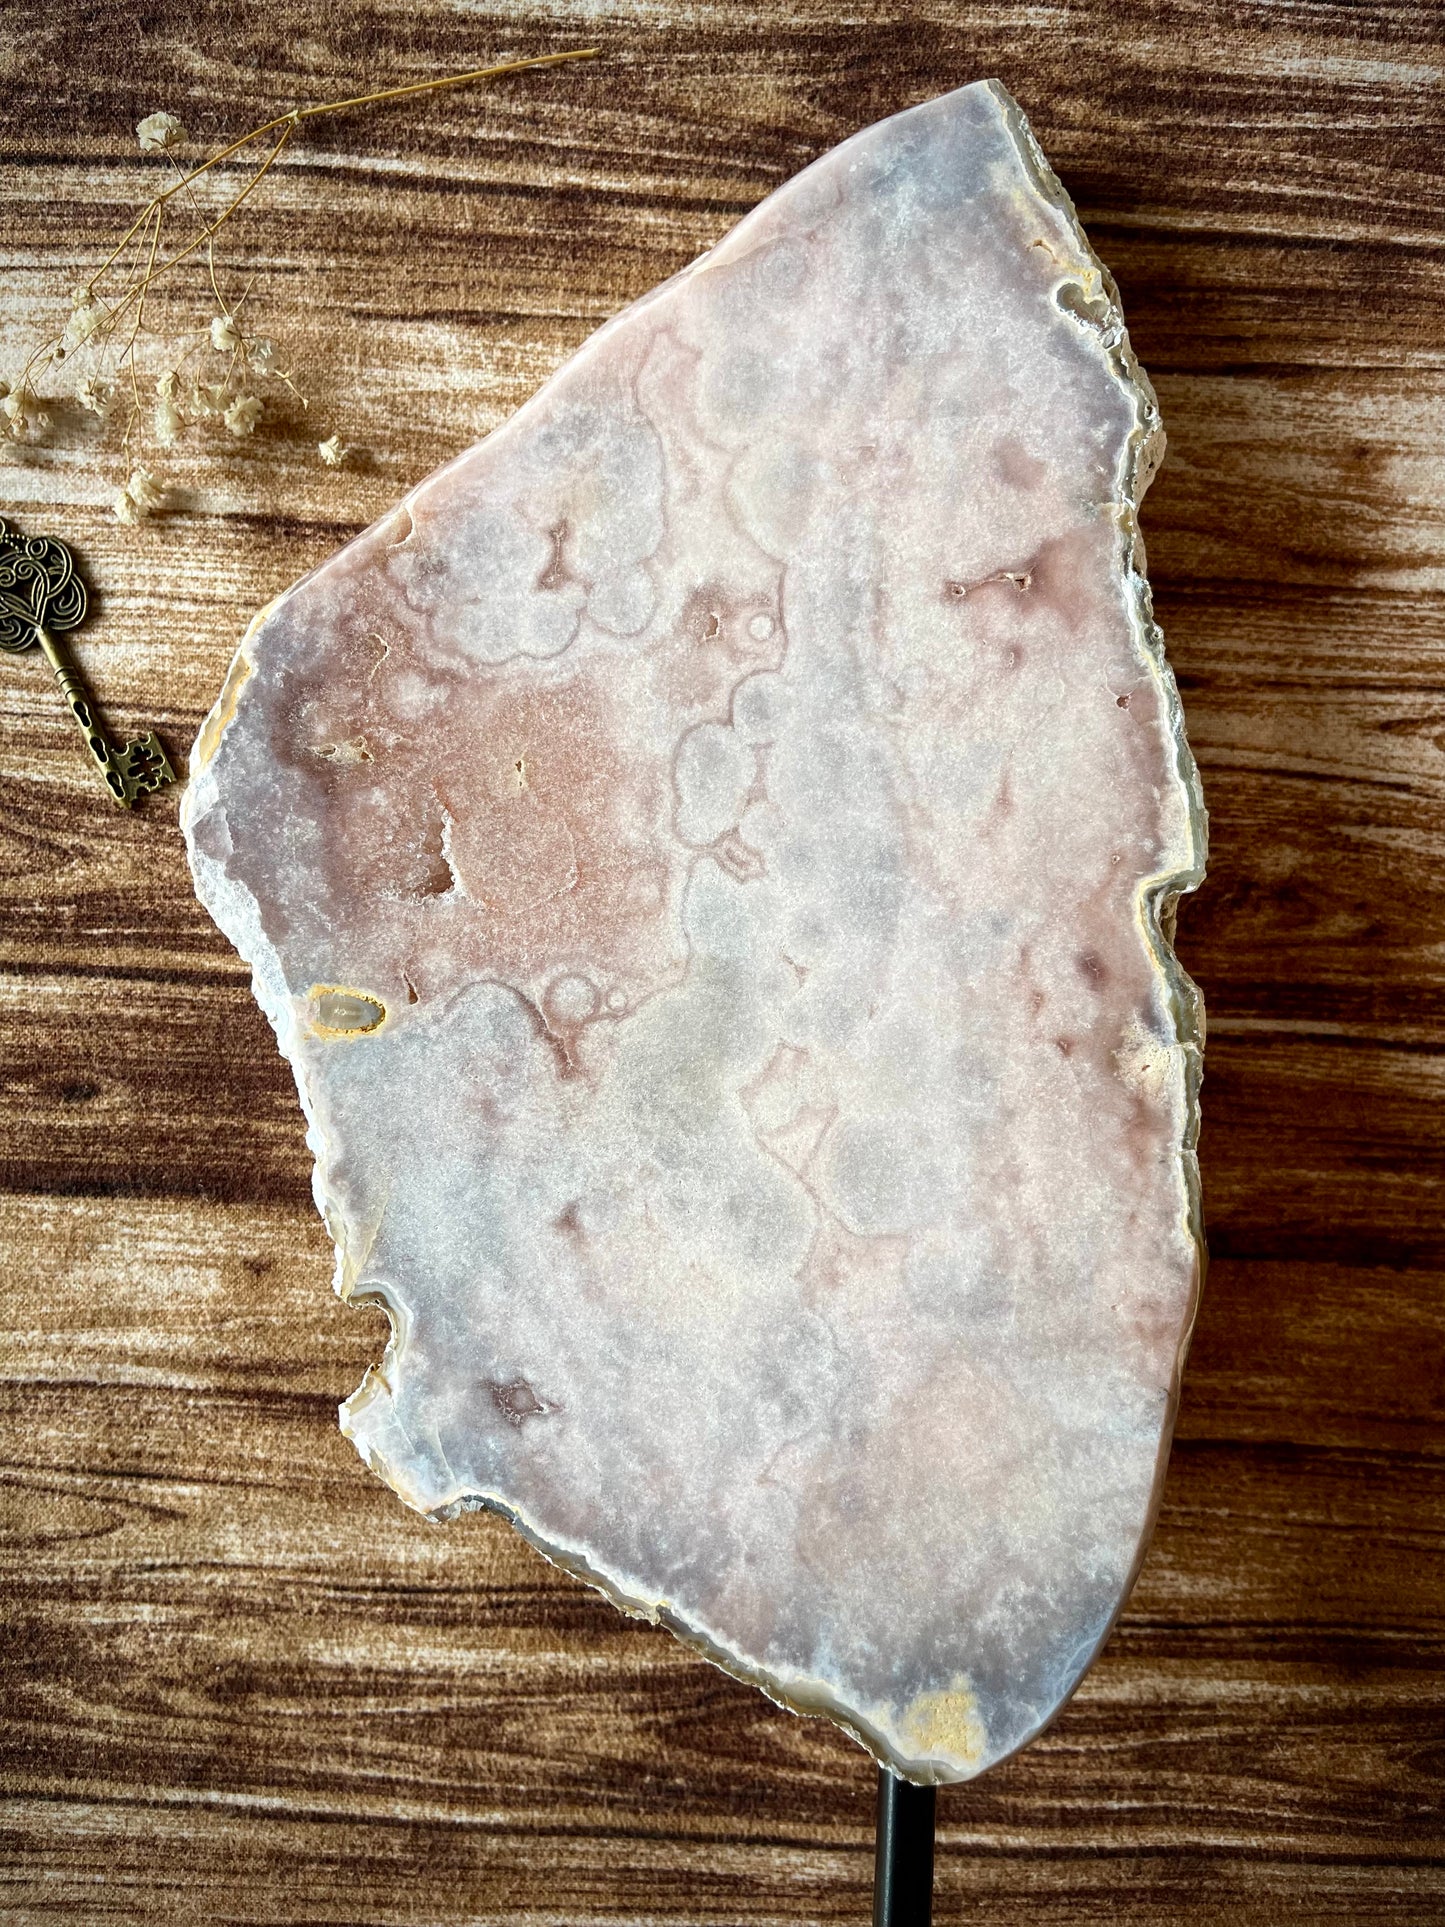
(41, 596)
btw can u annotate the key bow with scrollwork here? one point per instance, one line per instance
(39, 588)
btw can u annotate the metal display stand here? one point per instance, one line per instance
(903, 1862)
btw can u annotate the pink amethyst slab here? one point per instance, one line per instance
(708, 857)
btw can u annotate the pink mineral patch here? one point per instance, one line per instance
(747, 786)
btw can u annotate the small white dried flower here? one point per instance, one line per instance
(331, 451)
(169, 421)
(166, 385)
(80, 327)
(262, 353)
(209, 398)
(159, 133)
(243, 414)
(144, 490)
(123, 508)
(93, 395)
(223, 334)
(25, 419)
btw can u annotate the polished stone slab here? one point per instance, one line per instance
(707, 857)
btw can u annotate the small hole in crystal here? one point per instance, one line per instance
(1122, 701)
(517, 1402)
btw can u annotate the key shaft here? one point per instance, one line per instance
(77, 699)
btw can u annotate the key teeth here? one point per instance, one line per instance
(145, 766)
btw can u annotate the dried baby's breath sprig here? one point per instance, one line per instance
(86, 315)
(107, 313)
(243, 414)
(168, 419)
(135, 501)
(93, 395)
(159, 133)
(144, 490)
(25, 419)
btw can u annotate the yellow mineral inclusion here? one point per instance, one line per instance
(339, 1012)
(944, 1723)
(209, 740)
(224, 707)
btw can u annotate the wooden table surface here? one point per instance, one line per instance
(240, 1682)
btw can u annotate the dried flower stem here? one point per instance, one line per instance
(290, 122)
(129, 354)
(207, 233)
(102, 312)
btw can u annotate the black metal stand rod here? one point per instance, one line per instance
(903, 1866)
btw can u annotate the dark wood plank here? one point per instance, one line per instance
(240, 1682)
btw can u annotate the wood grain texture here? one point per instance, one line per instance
(240, 1682)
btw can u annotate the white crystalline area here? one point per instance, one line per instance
(703, 857)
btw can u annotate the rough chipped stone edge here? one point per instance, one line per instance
(1159, 895)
